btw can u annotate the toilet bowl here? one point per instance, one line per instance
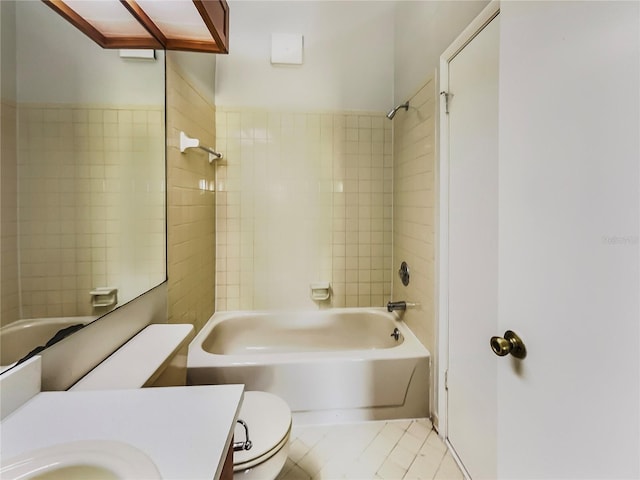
(268, 421)
(157, 357)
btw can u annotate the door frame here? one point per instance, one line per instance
(442, 258)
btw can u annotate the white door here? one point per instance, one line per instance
(569, 212)
(560, 258)
(473, 251)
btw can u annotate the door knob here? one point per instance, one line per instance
(510, 344)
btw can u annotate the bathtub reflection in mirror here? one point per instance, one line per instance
(83, 177)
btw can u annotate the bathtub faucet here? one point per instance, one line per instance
(392, 306)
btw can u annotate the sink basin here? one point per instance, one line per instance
(86, 460)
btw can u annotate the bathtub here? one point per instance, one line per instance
(20, 337)
(329, 365)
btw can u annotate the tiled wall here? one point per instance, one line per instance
(9, 228)
(80, 170)
(413, 210)
(303, 197)
(191, 232)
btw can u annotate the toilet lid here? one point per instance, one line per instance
(268, 418)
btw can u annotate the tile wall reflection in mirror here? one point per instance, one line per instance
(83, 176)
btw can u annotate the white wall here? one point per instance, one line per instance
(348, 56)
(423, 30)
(59, 64)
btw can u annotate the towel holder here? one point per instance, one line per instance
(188, 142)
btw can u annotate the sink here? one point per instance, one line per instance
(90, 459)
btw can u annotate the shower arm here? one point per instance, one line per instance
(393, 111)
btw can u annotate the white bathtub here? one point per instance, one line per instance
(329, 365)
(20, 337)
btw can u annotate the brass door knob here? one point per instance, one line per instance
(510, 344)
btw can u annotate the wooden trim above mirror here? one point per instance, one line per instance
(62, 9)
(214, 14)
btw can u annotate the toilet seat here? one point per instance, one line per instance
(269, 420)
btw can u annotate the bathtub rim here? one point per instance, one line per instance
(39, 321)
(27, 324)
(198, 357)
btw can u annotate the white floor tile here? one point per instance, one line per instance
(324, 451)
(385, 450)
(334, 469)
(391, 470)
(420, 429)
(296, 473)
(374, 458)
(310, 464)
(311, 436)
(448, 469)
(424, 467)
(381, 446)
(402, 457)
(411, 443)
(297, 450)
(432, 452)
(288, 465)
(362, 469)
(403, 424)
(392, 431)
(434, 442)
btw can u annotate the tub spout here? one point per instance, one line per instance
(393, 306)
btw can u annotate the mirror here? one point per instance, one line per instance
(83, 177)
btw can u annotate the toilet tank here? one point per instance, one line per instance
(155, 357)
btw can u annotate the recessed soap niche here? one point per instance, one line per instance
(320, 291)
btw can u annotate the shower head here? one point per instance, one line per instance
(392, 113)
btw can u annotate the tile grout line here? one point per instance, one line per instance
(350, 461)
(392, 448)
(418, 453)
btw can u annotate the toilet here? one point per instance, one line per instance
(268, 418)
(157, 357)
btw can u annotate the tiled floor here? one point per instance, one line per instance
(390, 450)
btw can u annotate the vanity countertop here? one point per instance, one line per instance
(186, 431)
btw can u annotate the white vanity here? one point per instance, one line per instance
(186, 432)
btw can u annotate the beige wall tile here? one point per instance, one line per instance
(76, 188)
(9, 295)
(191, 183)
(299, 200)
(413, 212)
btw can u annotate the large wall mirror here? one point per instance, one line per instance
(83, 177)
